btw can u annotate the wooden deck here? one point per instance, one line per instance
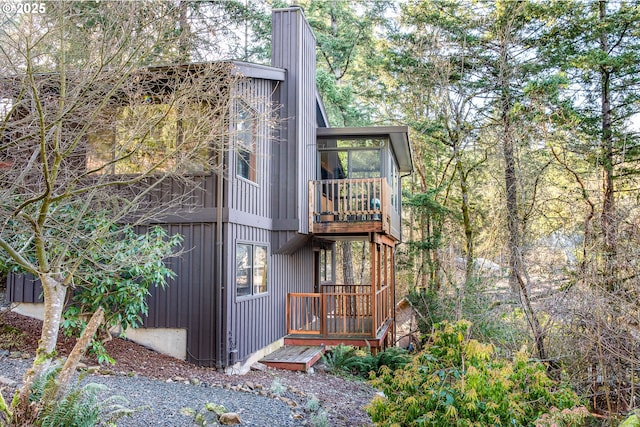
(380, 341)
(294, 357)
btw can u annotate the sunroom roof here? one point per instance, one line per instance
(398, 135)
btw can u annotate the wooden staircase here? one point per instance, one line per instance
(294, 357)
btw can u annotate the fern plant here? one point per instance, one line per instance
(343, 358)
(81, 406)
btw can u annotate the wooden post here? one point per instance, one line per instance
(374, 289)
(393, 297)
(288, 315)
(323, 314)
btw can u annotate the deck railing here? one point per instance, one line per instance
(339, 311)
(349, 200)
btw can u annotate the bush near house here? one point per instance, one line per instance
(346, 359)
(456, 381)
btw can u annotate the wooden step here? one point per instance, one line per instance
(294, 357)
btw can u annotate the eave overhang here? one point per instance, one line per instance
(398, 135)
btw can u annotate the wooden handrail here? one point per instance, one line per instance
(336, 314)
(349, 199)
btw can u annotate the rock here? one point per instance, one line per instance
(179, 379)
(259, 367)
(250, 385)
(4, 353)
(289, 402)
(195, 381)
(7, 381)
(15, 355)
(80, 366)
(229, 419)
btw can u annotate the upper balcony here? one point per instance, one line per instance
(352, 206)
(358, 184)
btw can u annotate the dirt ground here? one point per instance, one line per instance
(343, 399)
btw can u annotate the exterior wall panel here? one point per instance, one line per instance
(23, 288)
(293, 48)
(254, 322)
(245, 196)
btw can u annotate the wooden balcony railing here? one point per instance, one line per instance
(340, 311)
(336, 202)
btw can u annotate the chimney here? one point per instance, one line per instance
(293, 47)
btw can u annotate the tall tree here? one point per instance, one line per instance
(597, 44)
(88, 137)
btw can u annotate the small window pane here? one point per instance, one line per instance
(243, 269)
(326, 265)
(260, 270)
(246, 146)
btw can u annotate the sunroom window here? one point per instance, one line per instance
(149, 137)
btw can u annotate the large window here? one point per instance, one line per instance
(350, 158)
(251, 269)
(246, 142)
(148, 137)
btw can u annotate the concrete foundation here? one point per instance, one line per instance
(169, 341)
(172, 342)
(35, 311)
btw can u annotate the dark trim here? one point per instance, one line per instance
(290, 224)
(398, 135)
(258, 71)
(235, 216)
(187, 216)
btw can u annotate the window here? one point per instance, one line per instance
(246, 143)
(350, 158)
(326, 266)
(150, 136)
(251, 269)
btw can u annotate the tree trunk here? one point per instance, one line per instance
(347, 274)
(79, 349)
(54, 298)
(516, 258)
(608, 218)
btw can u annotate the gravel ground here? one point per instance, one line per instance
(160, 401)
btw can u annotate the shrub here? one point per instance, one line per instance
(348, 359)
(343, 358)
(460, 382)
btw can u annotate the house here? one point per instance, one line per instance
(260, 270)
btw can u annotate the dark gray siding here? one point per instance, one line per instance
(23, 288)
(293, 48)
(191, 300)
(246, 197)
(254, 322)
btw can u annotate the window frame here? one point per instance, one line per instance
(251, 270)
(106, 141)
(251, 164)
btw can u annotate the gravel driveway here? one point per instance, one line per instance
(164, 399)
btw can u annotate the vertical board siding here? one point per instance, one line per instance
(246, 196)
(293, 48)
(255, 322)
(23, 288)
(189, 300)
